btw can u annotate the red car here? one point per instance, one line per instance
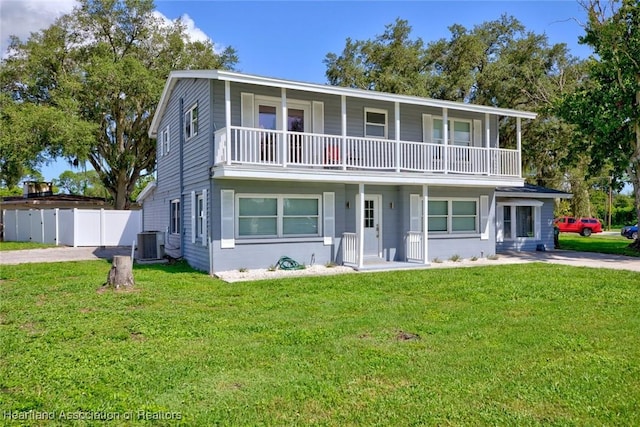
(584, 226)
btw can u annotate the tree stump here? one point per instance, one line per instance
(121, 273)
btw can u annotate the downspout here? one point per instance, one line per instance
(181, 177)
(212, 151)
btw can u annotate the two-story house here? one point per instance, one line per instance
(253, 168)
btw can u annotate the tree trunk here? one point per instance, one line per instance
(121, 273)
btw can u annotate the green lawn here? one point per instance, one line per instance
(500, 345)
(15, 246)
(603, 243)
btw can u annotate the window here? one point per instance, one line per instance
(174, 220)
(438, 215)
(191, 122)
(375, 123)
(520, 219)
(200, 218)
(164, 141)
(524, 221)
(507, 222)
(453, 216)
(459, 132)
(278, 216)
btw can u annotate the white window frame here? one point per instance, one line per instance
(450, 216)
(279, 215)
(174, 216)
(451, 140)
(191, 122)
(535, 206)
(165, 142)
(200, 218)
(385, 126)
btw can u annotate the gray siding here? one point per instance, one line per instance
(263, 255)
(196, 158)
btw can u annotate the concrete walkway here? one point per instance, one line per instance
(61, 254)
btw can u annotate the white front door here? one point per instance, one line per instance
(372, 225)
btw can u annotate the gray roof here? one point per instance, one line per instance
(532, 191)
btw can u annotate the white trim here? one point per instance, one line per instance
(328, 217)
(537, 220)
(230, 76)
(521, 202)
(193, 216)
(227, 219)
(363, 176)
(205, 218)
(146, 192)
(531, 196)
(386, 122)
(484, 217)
(317, 124)
(427, 128)
(172, 218)
(247, 108)
(191, 122)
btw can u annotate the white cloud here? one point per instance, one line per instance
(194, 33)
(23, 17)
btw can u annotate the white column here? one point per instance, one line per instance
(360, 225)
(343, 147)
(425, 223)
(445, 137)
(519, 141)
(397, 134)
(227, 118)
(487, 136)
(284, 126)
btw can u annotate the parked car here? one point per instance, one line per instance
(584, 226)
(630, 231)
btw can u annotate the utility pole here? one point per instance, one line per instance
(610, 202)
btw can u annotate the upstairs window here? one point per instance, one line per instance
(375, 123)
(164, 141)
(191, 122)
(459, 132)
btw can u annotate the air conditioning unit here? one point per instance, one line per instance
(150, 245)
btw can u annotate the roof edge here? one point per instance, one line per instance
(234, 76)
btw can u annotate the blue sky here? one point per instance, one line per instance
(290, 39)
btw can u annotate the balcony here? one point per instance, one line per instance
(279, 150)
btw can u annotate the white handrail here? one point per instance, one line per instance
(350, 248)
(414, 246)
(300, 149)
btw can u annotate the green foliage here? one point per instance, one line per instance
(606, 107)
(496, 63)
(500, 345)
(87, 86)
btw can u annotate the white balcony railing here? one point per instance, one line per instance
(250, 146)
(415, 246)
(350, 248)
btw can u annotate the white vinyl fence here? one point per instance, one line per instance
(72, 227)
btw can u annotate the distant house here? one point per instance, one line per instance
(252, 168)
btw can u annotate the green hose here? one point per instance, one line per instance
(286, 263)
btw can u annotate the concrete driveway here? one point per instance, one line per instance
(61, 254)
(577, 259)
